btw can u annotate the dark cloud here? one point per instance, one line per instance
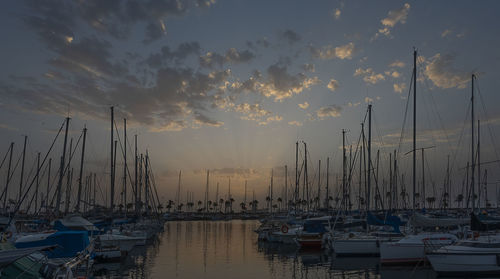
(290, 36)
(166, 55)
(232, 56)
(55, 20)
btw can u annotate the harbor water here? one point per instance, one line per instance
(229, 249)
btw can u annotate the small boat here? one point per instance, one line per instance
(363, 245)
(468, 257)
(312, 235)
(411, 249)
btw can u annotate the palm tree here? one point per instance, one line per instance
(268, 200)
(199, 205)
(243, 206)
(221, 203)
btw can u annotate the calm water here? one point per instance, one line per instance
(229, 249)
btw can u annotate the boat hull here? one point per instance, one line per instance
(465, 264)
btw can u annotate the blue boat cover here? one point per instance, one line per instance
(69, 243)
(389, 220)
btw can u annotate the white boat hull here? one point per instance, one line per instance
(460, 264)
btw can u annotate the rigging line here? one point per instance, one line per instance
(4, 158)
(406, 114)
(9, 178)
(488, 118)
(455, 154)
(66, 168)
(128, 171)
(16, 209)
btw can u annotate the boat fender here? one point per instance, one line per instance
(284, 229)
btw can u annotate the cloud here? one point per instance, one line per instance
(399, 87)
(290, 36)
(330, 52)
(369, 76)
(329, 111)
(295, 123)
(275, 118)
(200, 119)
(304, 105)
(333, 85)
(394, 74)
(397, 64)
(309, 68)
(167, 56)
(440, 71)
(336, 13)
(255, 112)
(56, 18)
(281, 85)
(445, 33)
(393, 17)
(368, 100)
(232, 56)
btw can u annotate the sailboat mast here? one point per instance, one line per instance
(112, 182)
(135, 174)
(8, 178)
(125, 165)
(414, 124)
(478, 166)
(77, 209)
(343, 170)
(327, 198)
(472, 146)
(319, 185)
(369, 154)
(22, 171)
(37, 180)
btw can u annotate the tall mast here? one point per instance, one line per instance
(178, 198)
(286, 188)
(68, 178)
(77, 209)
(319, 185)
(37, 180)
(146, 182)
(369, 154)
(125, 165)
(112, 181)
(296, 195)
(344, 194)
(271, 190)
(48, 186)
(390, 182)
(414, 124)
(327, 198)
(478, 166)
(135, 175)
(306, 179)
(95, 185)
(8, 178)
(61, 170)
(114, 169)
(473, 155)
(423, 179)
(22, 171)
(139, 190)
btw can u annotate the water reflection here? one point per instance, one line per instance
(229, 249)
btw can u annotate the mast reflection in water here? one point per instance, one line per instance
(229, 249)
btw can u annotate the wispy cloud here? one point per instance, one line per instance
(393, 17)
(369, 76)
(333, 85)
(440, 71)
(329, 111)
(330, 52)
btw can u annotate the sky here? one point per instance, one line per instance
(231, 86)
